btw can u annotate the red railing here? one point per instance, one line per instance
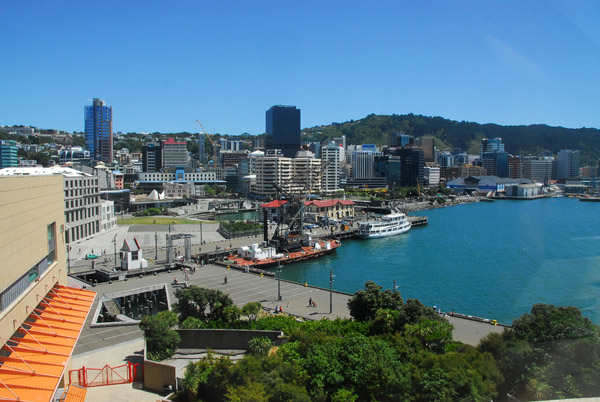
(94, 377)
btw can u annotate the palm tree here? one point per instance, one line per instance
(191, 380)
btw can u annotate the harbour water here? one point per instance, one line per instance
(493, 260)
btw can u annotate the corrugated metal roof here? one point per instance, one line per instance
(34, 359)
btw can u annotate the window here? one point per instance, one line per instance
(51, 234)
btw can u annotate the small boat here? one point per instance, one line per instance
(388, 225)
(256, 256)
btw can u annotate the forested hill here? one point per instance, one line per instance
(518, 140)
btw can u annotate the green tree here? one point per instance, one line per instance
(161, 340)
(251, 392)
(203, 304)
(251, 310)
(260, 345)
(191, 380)
(364, 304)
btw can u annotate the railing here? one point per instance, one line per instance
(94, 377)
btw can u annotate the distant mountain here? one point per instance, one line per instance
(449, 134)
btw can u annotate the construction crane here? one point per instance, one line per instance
(214, 146)
(294, 218)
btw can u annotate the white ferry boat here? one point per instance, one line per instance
(388, 225)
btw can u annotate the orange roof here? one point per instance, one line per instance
(328, 203)
(274, 204)
(75, 393)
(38, 352)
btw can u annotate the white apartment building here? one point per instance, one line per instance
(293, 175)
(108, 219)
(432, 175)
(81, 197)
(272, 170)
(332, 156)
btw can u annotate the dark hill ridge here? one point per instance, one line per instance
(518, 140)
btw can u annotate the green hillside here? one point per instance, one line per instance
(518, 140)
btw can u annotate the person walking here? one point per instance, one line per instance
(310, 302)
(225, 282)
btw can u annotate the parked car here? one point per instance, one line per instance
(91, 256)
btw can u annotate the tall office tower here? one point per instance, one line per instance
(495, 163)
(98, 131)
(283, 129)
(201, 149)
(8, 154)
(332, 156)
(515, 167)
(428, 145)
(493, 145)
(152, 157)
(399, 139)
(412, 166)
(174, 153)
(568, 163)
(363, 162)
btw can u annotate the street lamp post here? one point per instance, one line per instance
(68, 259)
(278, 280)
(114, 242)
(200, 233)
(155, 246)
(331, 276)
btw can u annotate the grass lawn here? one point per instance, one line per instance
(157, 220)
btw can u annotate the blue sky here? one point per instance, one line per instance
(164, 64)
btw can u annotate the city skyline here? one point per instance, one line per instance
(164, 66)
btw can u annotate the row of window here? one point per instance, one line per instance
(21, 285)
(79, 182)
(81, 202)
(85, 213)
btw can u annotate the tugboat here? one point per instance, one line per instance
(289, 242)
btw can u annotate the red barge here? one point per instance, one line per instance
(266, 257)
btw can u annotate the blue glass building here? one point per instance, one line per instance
(98, 131)
(283, 129)
(8, 154)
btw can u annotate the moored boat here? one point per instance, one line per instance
(256, 256)
(387, 225)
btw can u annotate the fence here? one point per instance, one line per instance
(95, 377)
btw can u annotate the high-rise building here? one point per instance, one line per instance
(399, 139)
(174, 153)
(363, 161)
(98, 131)
(332, 156)
(8, 154)
(515, 167)
(412, 166)
(283, 129)
(568, 163)
(538, 168)
(428, 145)
(152, 157)
(201, 149)
(493, 145)
(495, 163)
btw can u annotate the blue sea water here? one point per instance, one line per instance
(492, 260)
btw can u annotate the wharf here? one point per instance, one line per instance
(245, 287)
